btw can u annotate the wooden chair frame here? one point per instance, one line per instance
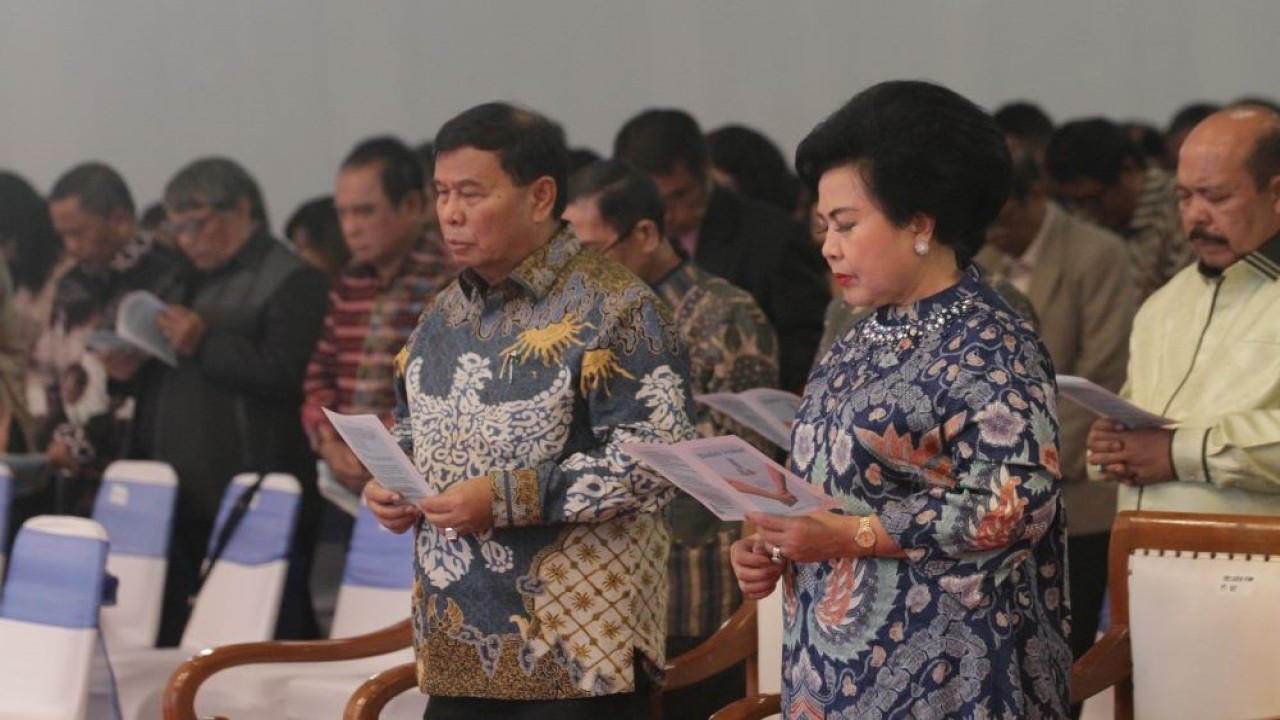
(180, 692)
(733, 643)
(1110, 661)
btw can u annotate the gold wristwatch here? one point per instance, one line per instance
(865, 535)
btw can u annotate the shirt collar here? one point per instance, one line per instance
(1032, 253)
(536, 274)
(1266, 259)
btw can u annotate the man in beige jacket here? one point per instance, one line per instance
(1077, 277)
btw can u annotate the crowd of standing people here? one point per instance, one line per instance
(515, 312)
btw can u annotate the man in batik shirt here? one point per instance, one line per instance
(540, 563)
(93, 212)
(617, 211)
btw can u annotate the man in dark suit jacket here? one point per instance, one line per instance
(752, 245)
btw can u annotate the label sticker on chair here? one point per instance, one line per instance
(118, 495)
(1241, 585)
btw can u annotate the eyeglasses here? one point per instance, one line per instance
(192, 225)
(621, 236)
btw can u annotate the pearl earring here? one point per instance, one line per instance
(922, 247)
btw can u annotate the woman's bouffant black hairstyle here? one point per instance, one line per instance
(921, 149)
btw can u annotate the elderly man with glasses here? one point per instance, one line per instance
(250, 320)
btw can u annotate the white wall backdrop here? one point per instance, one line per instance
(287, 86)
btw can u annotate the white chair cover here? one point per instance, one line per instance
(49, 618)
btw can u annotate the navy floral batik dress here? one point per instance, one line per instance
(938, 418)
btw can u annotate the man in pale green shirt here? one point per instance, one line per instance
(1205, 349)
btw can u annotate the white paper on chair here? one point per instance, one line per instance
(1204, 635)
(767, 411)
(380, 454)
(731, 477)
(1109, 405)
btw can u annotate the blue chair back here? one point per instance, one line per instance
(56, 572)
(6, 501)
(135, 504)
(378, 557)
(266, 530)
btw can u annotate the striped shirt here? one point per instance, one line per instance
(351, 370)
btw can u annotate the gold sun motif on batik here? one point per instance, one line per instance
(597, 367)
(547, 343)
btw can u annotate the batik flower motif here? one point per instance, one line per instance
(999, 425)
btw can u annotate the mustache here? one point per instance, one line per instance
(1199, 233)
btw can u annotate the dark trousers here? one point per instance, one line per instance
(623, 706)
(1087, 565)
(700, 700)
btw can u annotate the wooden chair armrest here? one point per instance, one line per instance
(180, 692)
(1105, 664)
(752, 707)
(728, 646)
(372, 696)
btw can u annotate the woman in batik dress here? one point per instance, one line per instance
(938, 589)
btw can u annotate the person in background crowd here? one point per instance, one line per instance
(616, 211)
(1077, 277)
(395, 270)
(154, 222)
(87, 383)
(15, 419)
(746, 161)
(752, 245)
(33, 252)
(314, 232)
(1097, 172)
(1203, 350)
(1183, 120)
(243, 335)
(1029, 124)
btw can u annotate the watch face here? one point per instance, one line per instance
(865, 537)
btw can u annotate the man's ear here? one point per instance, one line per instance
(122, 223)
(543, 193)
(1273, 188)
(413, 202)
(647, 237)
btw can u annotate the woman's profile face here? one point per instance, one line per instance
(872, 260)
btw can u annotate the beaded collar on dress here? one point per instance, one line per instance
(893, 325)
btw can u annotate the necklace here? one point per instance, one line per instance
(875, 332)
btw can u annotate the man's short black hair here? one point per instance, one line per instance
(623, 194)
(756, 164)
(528, 145)
(1189, 116)
(1026, 172)
(25, 222)
(1026, 121)
(657, 141)
(921, 149)
(398, 167)
(99, 188)
(1094, 148)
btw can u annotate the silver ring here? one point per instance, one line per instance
(776, 555)
(450, 534)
